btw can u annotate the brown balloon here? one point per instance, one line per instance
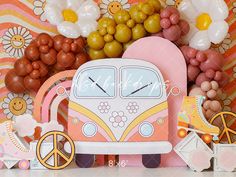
(43, 69)
(35, 74)
(32, 84)
(80, 59)
(44, 39)
(58, 42)
(49, 58)
(44, 49)
(65, 59)
(14, 83)
(32, 53)
(20, 66)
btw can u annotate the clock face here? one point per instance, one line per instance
(96, 82)
(141, 82)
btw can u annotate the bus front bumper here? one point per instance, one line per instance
(116, 148)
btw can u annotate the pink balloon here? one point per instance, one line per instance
(193, 72)
(165, 23)
(210, 73)
(185, 28)
(201, 78)
(214, 61)
(174, 18)
(173, 33)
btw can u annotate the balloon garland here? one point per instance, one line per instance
(47, 55)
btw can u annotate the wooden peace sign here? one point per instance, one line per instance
(55, 152)
(226, 120)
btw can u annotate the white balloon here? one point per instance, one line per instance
(53, 14)
(187, 11)
(218, 10)
(200, 41)
(87, 26)
(218, 31)
(61, 4)
(74, 4)
(68, 29)
(201, 6)
(89, 10)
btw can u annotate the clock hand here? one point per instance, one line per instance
(139, 89)
(98, 86)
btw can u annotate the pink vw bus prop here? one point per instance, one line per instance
(119, 106)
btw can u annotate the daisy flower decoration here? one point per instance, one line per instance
(110, 7)
(17, 104)
(73, 18)
(207, 22)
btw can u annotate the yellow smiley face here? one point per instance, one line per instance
(17, 41)
(17, 106)
(114, 7)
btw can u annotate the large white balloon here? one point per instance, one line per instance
(53, 14)
(187, 11)
(89, 10)
(68, 29)
(218, 31)
(218, 10)
(87, 26)
(200, 41)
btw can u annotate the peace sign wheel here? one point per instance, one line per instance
(60, 158)
(226, 121)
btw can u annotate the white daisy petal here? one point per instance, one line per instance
(74, 4)
(61, 4)
(38, 3)
(123, 2)
(187, 10)
(112, 119)
(121, 124)
(53, 14)
(15, 30)
(68, 29)
(201, 5)
(6, 111)
(121, 113)
(43, 17)
(124, 119)
(218, 10)
(30, 106)
(6, 37)
(105, 2)
(9, 115)
(200, 41)
(88, 10)
(114, 114)
(4, 106)
(218, 31)
(6, 100)
(170, 2)
(103, 6)
(87, 26)
(115, 124)
(38, 10)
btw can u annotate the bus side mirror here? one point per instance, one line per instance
(175, 91)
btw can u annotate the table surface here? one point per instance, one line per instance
(113, 172)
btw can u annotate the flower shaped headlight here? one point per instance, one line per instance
(207, 22)
(73, 18)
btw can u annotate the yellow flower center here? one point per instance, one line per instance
(203, 21)
(70, 15)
